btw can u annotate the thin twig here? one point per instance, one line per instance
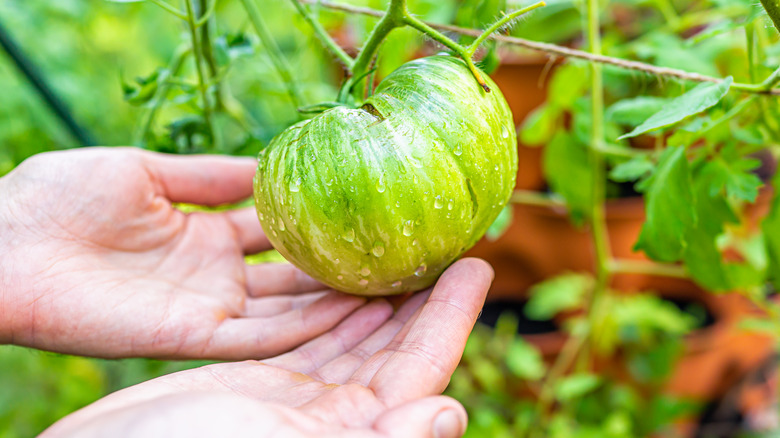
(556, 50)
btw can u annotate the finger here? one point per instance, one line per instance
(343, 367)
(201, 179)
(279, 279)
(430, 417)
(248, 230)
(253, 338)
(424, 355)
(308, 358)
(278, 304)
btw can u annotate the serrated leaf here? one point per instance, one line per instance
(558, 294)
(567, 169)
(700, 98)
(633, 169)
(524, 360)
(669, 207)
(636, 110)
(501, 224)
(732, 172)
(576, 386)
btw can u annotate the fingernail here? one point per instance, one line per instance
(448, 424)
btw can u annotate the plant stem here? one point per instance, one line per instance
(323, 36)
(147, 120)
(202, 85)
(206, 29)
(170, 9)
(627, 266)
(598, 219)
(560, 51)
(499, 24)
(452, 45)
(206, 12)
(529, 197)
(279, 62)
(392, 19)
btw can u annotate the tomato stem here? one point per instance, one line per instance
(500, 23)
(322, 35)
(393, 18)
(279, 62)
(202, 85)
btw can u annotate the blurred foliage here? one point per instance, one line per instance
(113, 62)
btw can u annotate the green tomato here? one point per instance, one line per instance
(380, 200)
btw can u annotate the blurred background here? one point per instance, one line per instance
(120, 74)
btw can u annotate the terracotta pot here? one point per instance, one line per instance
(522, 81)
(541, 243)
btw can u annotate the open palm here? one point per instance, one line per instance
(375, 374)
(97, 261)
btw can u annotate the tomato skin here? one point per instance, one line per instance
(380, 200)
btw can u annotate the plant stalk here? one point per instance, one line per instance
(323, 36)
(277, 59)
(197, 50)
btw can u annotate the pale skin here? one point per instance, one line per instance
(96, 261)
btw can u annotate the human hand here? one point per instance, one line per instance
(371, 376)
(96, 261)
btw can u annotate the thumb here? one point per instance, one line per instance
(430, 417)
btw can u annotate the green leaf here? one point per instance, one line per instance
(576, 386)
(669, 207)
(633, 169)
(231, 46)
(567, 169)
(567, 84)
(733, 172)
(143, 89)
(558, 294)
(501, 224)
(636, 110)
(700, 98)
(539, 126)
(524, 360)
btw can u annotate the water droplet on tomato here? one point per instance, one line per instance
(365, 271)
(451, 205)
(379, 249)
(295, 186)
(261, 216)
(504, 132)
(349, 235)
(420, 271)
(415, 242)
(396, 284)
(408, 228)
(363, 282)
(458, 150)
(336, 261)
(437, 202)
(281, 225)
(380, 185)
(397, 204)
(340, 277)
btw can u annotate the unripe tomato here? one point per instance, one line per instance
(380, 200)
